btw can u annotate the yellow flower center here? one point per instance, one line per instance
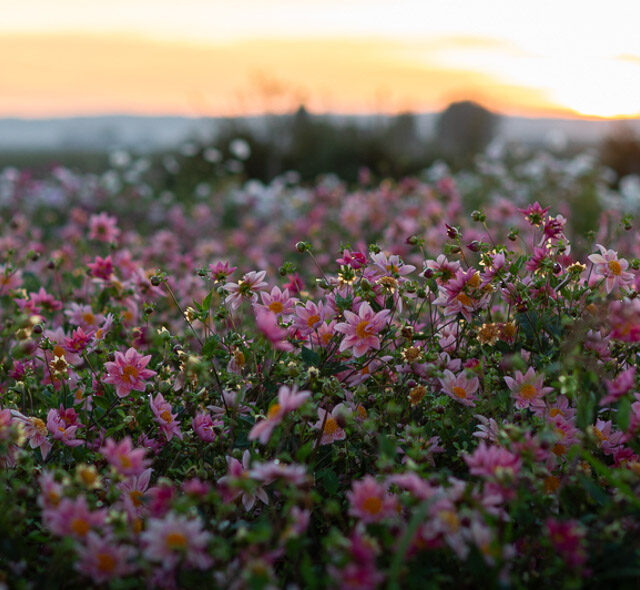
(136, 497)
(528, 391)
(125, 461)
(330, 426)
(176, 541)
(450, 518)
(39, 425)
(166, 416)
(80, 526)
(89, 318)
(464, 299)
(58, 351)
(460, 392)
(129, 373)
(363, 330)
(553, 412)
(474, 281)
(276, 307)
(312, 320)
(372, 505)
(615, 267)
(558, 449)
(273, 410)
(106, 563)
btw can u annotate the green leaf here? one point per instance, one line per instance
(309, 357)
(624, 411)
(211, 347)
(329, 480)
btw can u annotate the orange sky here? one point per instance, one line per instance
(50, 75)
(213, 57)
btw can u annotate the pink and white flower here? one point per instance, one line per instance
(361, 330)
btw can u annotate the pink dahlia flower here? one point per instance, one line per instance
(127, 372)
(361, 330)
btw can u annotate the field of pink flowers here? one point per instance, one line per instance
(320, 387)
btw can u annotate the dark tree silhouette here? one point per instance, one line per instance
(465, 128)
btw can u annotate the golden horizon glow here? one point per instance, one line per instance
(210, 57)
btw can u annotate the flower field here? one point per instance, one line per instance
(428, 383)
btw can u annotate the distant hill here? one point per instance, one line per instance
(147, 134)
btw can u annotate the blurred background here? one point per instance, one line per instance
(315, 87)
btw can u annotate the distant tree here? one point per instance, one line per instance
(465, 128)
(620, 151)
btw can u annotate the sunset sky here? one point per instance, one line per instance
(234, 57)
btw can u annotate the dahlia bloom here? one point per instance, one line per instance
(203, 425)
(126, 459)
(72, 517)
(133, 490)
(361, 330)
(62, 428)
(527, 389)
(492, 461)
(127, 372)
(103, 227)
(612, 269)
(246, 288)
(267, 323)
(278, 302)
(309, 318)
(624, 320)
(172, 538)
(567, 538)
(101, 559)
(331, 430)
(384, 265)
(36, 432)
(101, 268)
(162, 411)
(619, 386)
(370, 502)
(460, 387)
(289, 399)
(237, 473)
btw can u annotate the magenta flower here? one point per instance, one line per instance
(220, 270)
(370, 502)
(101, 559)
(101, 268)
(72, 517)
(127, 372)
(167, 421)
(492, 461)
(460, 387)
(289, 399)
(103, 227)
(361, 329)
(619, 386)
(203, 425)
(63, 429)
(527, 389)
(174, 538)
(267, 323)
(567, 538)
(124, 457)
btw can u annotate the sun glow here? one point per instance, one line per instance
(212, 57)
